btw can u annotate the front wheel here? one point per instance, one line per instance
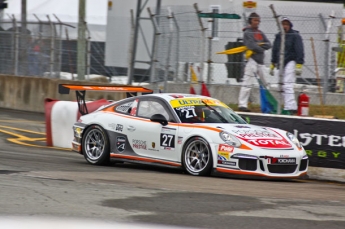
(95, 146)
(197, 157)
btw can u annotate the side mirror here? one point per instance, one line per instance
(159, 118)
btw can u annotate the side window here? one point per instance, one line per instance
(129, 108)
(148, 108)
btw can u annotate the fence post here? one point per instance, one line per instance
(154, 46)
(202, 41)
(327, 50)
(60, 47)
(281, 58)
(16, 46)
(167, 66)
(209, 60)
(177, 57)
(52, 47)
(88, 53)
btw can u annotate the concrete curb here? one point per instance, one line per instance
(319, 173)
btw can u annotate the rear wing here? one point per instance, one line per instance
(81, 91)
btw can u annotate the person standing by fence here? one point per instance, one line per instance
(293, 62)
(256, 42)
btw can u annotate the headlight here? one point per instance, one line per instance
(229, 139)
(293, 139)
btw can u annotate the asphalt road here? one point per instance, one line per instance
(39, 181)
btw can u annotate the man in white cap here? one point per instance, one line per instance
(293, 62)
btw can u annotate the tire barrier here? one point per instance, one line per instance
(60, 117)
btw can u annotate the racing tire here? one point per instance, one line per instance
(197, 157)
(95, 146)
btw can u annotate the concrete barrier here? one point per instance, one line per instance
(29, 93)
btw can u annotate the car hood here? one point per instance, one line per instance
(262, 137)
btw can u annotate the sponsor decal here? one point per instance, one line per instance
(168, 130)
(179, 140)
(257, 134)
(139, 144)
(230, 163)
(153, 148)
(181, 102)
(274, 160)
(263, 138)
(119, 127)
(120, 144)
(225, 148)
(243, 127)
(223, 156)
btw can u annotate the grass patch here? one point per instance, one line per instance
(314, 110)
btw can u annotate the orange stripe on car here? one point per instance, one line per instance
(113, 155)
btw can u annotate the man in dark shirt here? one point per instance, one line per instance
(293, 62)
(255, 41)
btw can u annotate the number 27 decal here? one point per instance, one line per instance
(167, 141)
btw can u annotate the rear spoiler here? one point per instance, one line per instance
(81, 91)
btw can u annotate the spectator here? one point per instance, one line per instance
(255, 41)
(293, 62)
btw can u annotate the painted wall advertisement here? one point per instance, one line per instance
(323, 140)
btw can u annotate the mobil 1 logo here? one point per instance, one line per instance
(167, 138)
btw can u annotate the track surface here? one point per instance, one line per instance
(42, 181)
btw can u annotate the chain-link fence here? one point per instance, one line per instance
(184, 39)
(30, 49)
(45, 49)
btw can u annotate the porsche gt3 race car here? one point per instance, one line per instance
(197, 133)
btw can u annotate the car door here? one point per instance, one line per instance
(152, 139)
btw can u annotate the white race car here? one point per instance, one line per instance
(197, 133)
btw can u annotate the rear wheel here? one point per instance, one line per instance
(197, 157)
(96, 146)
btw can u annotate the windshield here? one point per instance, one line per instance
(204, 111)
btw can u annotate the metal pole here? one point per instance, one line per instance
(154, 40)
(157, 33)
(177, 57)
(88, 64)
(81, 41)
(167, 66)
(24, 45)
(202, 41)
(52, 48)
(281, 58)
(209, 60)
(326, 61)
(134, 44)
(60, 47)
(69, 54)
(16, 46)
